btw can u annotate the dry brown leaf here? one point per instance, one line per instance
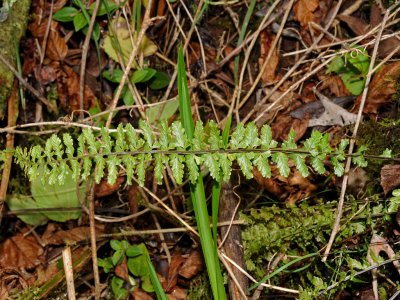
(74, 235)
(381, 88)
(377, 245)
(20, 252)
(357, 25)
(192, 266)
(266, 41)
(390, 178)
(121, 270)
(46, 74)
(177, 294)
(68, 90)
(173, 271)
(334, 84)
(304, 11)
(105, 189)
(139, 294)
(57, 48)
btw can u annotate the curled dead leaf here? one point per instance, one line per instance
(390, 177)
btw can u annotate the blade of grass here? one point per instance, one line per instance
(158, 289)
(284, 267)
(216, 188)
(197, 191)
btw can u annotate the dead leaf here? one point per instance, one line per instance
(46, 74)
(11, 279)
(71, 236)
(173, 271)
(177, 294)
(192, 266)
(357, 25)
(334, 84)
(377, 245)
(390, 178)
(20, 252)
(381, 88)
(266, 41)
(105, 189)
(121, 270)
(333, 114)
(304, 11)
(57, 48)
(139, 294)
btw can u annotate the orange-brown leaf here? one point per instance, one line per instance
(20, 252)
(304, 11)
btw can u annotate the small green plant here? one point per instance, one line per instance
(141, 270)
(352, 68)
(155, 80)
(80, 15)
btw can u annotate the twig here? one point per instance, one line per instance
(11, 120)
(49, 105)
(85, 49)
(336, 226)
(145, 25)
(69, 272)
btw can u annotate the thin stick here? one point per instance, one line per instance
(26, 85)
(336, 226)
(85, 49)
(69, 272)
(145, 25)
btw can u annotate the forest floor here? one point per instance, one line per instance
(306, 227)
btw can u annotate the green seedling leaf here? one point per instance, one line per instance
(79, 21)
(134, 251)
(119, 245)
(57, 196)
(147, 286)
(19, 202)
(143, 75)
(119, 39)
(117, 257)
(117, 288)
(106, 264)
(66, 14)
(168, 110)
(159, 81)
(138, 266)
(106, 6)
(114, 76)
(95, 33)
(127, 96)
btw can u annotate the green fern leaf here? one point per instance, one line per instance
(176, 163)
(359, 159)
(112, 167)
(214, 139)
(143, 162)
(181, 140)
(129, 162)
(87, 167)
(192, 167)
(120, 143)
(266, 138)
(338, 167)
(134, 142)
(290, 142)
(244, 162)
(226, 166)
(100, 164)
(147, 134)
(237, 136)
(165, 136)
(318, 164)
(160, 162)
(251, 136)
(262, 163)
(282, 163)
(299, 161)
(106, 142)
(69, 145)
(198, 142)
(212, 163)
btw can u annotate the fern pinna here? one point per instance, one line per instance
(135, 150)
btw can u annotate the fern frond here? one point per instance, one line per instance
(136, 153)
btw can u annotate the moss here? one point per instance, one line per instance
(11, 31)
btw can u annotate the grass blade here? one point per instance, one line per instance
(197, 191)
